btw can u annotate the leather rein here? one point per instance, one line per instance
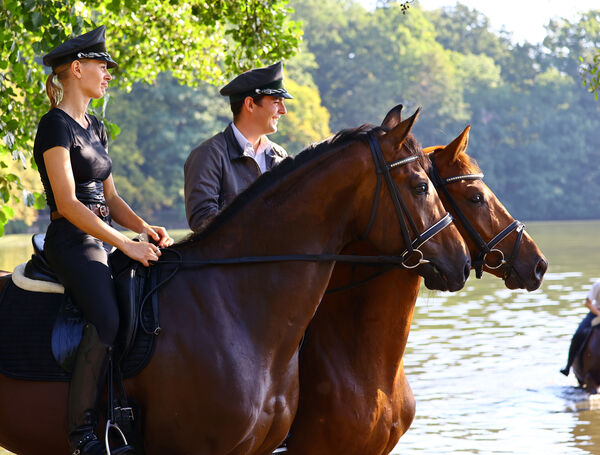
(486, 251)
(411, 253)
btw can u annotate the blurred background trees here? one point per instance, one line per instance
(534, 123)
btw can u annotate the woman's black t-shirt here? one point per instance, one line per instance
(87, 148)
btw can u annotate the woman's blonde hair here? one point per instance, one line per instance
(54, 91)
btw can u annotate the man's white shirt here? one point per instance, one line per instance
(258, 155)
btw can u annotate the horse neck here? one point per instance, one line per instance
(370, 322)
(309, 211)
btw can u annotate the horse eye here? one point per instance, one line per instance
(421, 188)
(477, 199)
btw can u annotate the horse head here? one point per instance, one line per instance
(420, 226)
(498, 243)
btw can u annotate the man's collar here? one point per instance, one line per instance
(245, 143)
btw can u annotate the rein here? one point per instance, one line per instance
(381, 168)
(412, 246)
(487, 252)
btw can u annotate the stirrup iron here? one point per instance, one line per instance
(109, 425)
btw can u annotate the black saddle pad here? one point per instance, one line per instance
(26, 323)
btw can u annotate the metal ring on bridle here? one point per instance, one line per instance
(502, 260)
(418, 263)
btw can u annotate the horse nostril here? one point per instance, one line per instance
(540, 268)
(467, 269)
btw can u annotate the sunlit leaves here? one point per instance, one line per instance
(590, 74)
(194, 40)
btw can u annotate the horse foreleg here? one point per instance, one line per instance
(590, 384)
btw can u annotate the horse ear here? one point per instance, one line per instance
(432, 148)
(393, 117)
(459, 145)
(398, 133)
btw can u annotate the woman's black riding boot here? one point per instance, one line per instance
(88, 378)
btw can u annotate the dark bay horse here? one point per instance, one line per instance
(586, 366)
(224, 376)
(354, 396)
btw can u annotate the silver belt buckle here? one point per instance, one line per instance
(103, 209)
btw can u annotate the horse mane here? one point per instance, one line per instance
(309, 155)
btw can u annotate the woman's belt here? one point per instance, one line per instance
(100, 210)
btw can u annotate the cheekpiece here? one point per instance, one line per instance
(89, 45)
(267, 80)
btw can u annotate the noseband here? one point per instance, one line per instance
(402, 213)
(487, 252)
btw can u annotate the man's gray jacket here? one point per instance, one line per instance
(217, 171)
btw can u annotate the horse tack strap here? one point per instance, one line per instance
(382, 168)
(440, 183)
(484, 248)
(397, 260)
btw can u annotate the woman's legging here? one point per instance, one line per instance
(81, 263)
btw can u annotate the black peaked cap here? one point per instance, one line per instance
(267, 80)
(89, 45)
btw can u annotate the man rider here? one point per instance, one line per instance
(227, 163)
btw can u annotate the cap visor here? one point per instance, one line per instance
(111, 63)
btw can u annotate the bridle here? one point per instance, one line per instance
(403, 260)
(382, 168)
(487, 255)
(402, 213)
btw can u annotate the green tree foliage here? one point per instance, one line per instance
(195, 40)
(574, 48)
(160, 124)
(534, 128)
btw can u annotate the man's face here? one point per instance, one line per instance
(267, 113)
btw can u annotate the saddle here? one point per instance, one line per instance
(40, 327)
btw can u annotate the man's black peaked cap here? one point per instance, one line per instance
(267, 80)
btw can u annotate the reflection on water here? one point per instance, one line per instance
(483, 363)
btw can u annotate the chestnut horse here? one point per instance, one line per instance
(354, 396)
(224, 375)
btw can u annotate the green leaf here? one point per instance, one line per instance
(40, 201)
(36, 20)
(112, 129)
(28, 198)
(8, 211)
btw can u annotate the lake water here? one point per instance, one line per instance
(483, 363)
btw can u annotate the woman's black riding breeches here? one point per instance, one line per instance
(81, 263)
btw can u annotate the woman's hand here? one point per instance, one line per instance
(159, 235)
(141, 251)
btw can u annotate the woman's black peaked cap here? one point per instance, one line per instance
(89, 45)
(267, 80)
